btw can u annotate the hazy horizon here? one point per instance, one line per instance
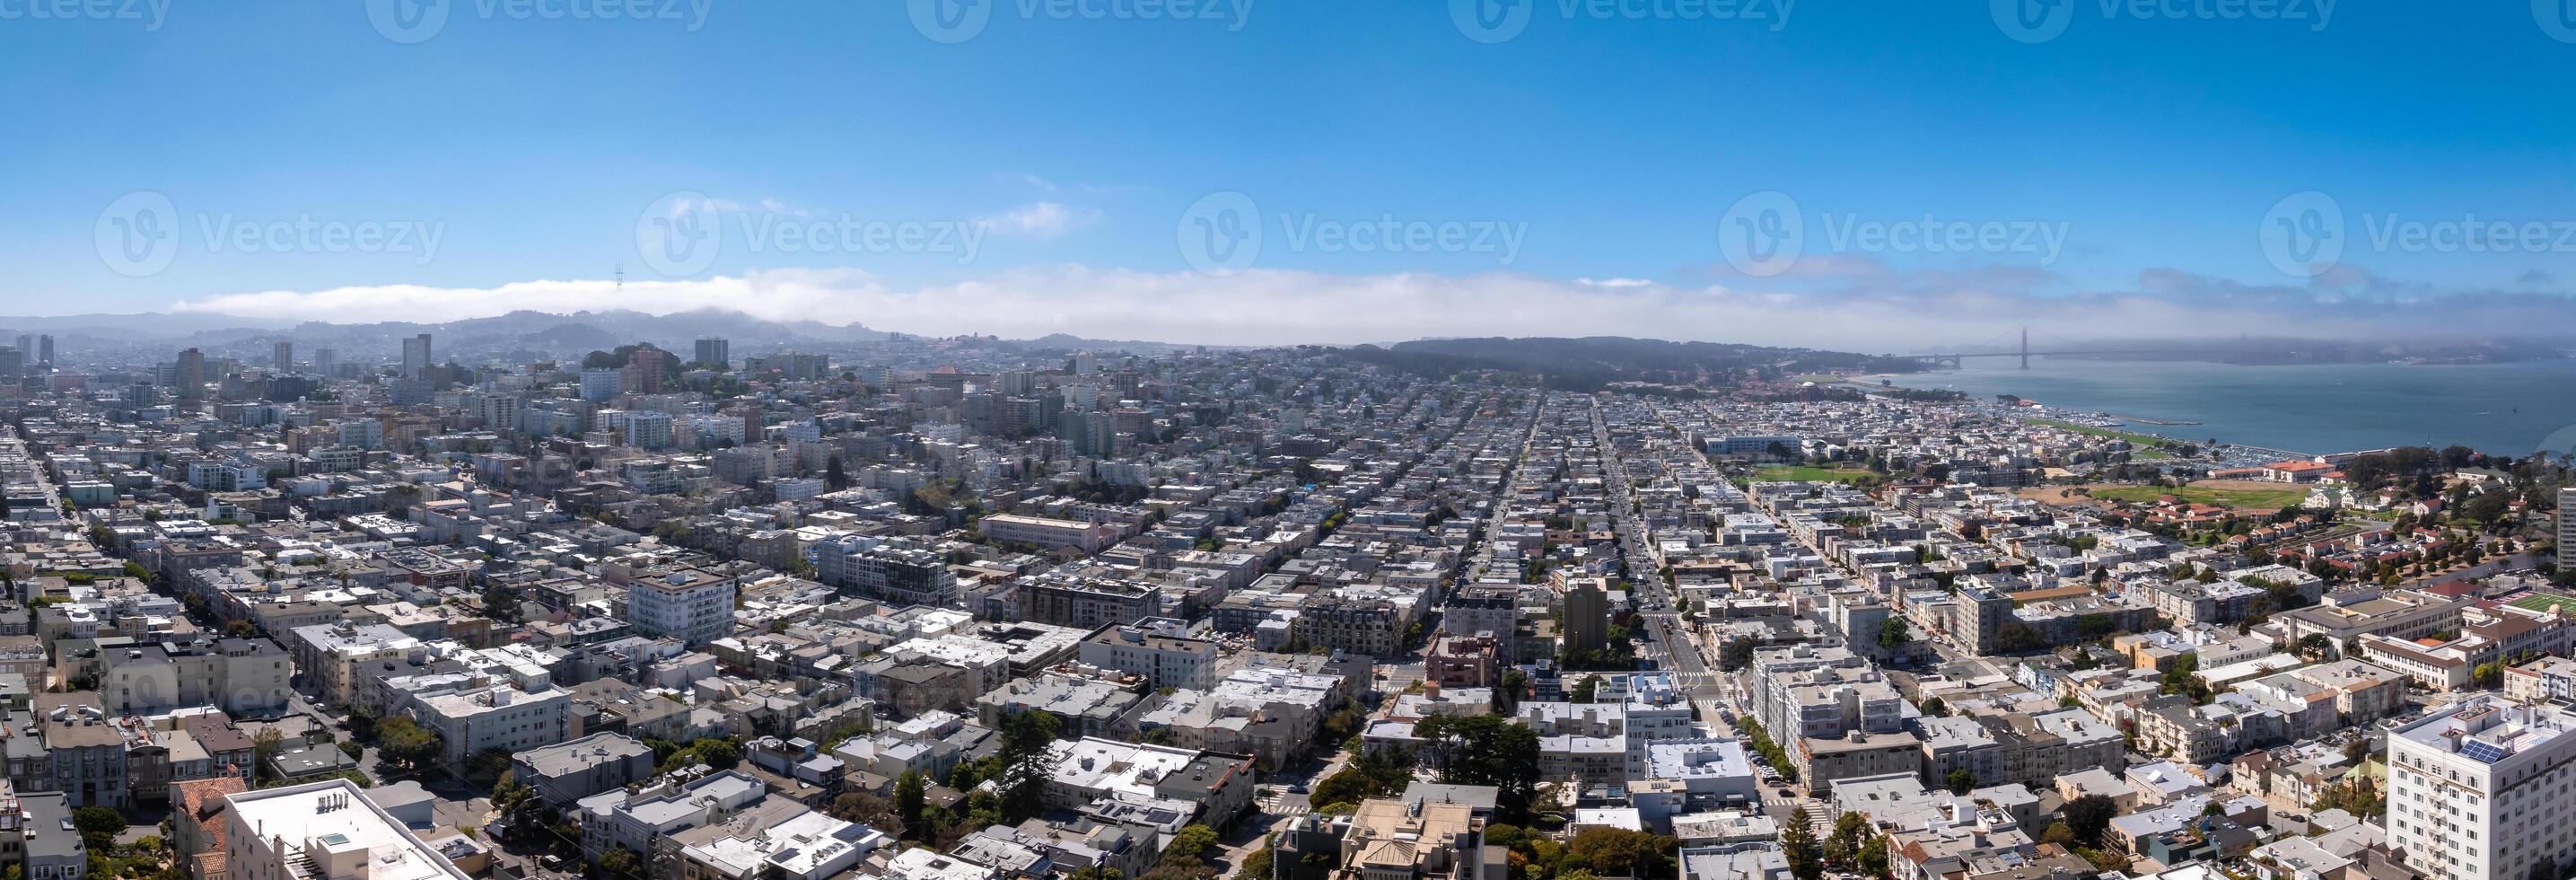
(1790, 173)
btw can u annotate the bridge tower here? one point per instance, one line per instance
(2025, 348)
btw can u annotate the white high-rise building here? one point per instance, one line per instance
(2478, 790)
(691, 604)
(648, 429)
(600, 384)
(2567, 529)
(500, 412)
(361, 433)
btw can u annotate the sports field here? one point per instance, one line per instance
(2541, 600)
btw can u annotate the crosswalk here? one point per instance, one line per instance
(1289, 807)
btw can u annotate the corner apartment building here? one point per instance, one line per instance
(1048, 533)
(1155, 649)
(886, 570)
(683, 602)
(494, 718)
(1087, 603)
(244, 677)
(566, 772)
(84, 755)
(2479, 790)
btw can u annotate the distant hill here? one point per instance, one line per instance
(1592, 362)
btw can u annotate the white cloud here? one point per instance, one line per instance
(1043, 220)
(1896, 312)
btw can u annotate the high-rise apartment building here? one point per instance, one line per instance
(188, 379)
(326, 361)
(643, 373)
(1586, 624)
(282, 356)
(714, 352)
(500, 412)
(2566, 528)
(601, 383)
(416, 355)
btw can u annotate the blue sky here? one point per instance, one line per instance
(1603, 147)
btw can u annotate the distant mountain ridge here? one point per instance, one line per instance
(1591, 362)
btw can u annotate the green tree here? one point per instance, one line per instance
(621, 862)
(409, 746)
(1028, 758)
(1623, 852)
(1842, 848)
(910, 795)
(1798, 843)
(1873, 857)
(870, 810)
(1961, 781)
(98, 826)
(1936, 707)
(1894, 636)
(2086, 816)
(1486, 750)
(265, 746)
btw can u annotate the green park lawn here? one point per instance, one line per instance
(1804, 473)
(2241, 499)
